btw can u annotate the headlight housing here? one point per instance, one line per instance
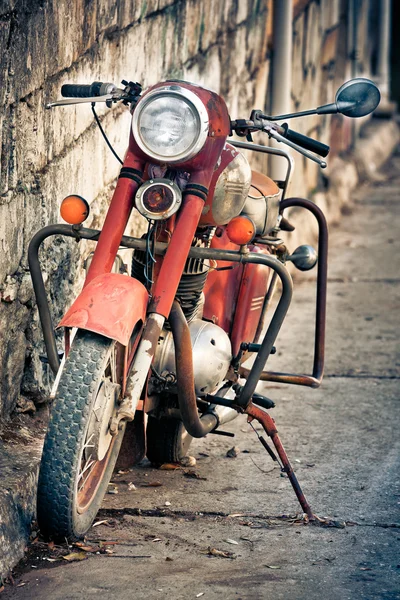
(170, 124)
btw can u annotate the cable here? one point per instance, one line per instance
(104, 135)
(149, 255)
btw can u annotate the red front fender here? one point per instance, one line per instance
(111, 305)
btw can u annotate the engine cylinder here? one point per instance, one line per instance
(212, 355)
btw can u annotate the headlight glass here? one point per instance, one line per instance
(169, 126)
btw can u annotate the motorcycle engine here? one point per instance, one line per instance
(212, 355)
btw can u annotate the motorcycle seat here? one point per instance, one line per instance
(262, 186)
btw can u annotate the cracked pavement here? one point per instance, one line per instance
(342, 440)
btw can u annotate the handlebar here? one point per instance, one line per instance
(97, 88)
(304, 141)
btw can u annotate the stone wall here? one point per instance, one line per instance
(47, 154)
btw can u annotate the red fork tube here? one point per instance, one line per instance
(117, 218)
(175, 258)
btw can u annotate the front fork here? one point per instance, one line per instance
(163, 295)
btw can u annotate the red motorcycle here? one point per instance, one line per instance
(158, 355)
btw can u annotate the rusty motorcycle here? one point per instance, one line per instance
(154, 358)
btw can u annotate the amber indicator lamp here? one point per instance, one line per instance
(74, 209)
(241, 230)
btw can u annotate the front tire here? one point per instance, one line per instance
(79, 454)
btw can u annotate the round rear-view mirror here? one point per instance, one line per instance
(357, 97)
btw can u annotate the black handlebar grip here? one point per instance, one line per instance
(72, 90)
(305, 141)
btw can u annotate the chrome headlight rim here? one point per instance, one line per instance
(154, 215)
(192, 99)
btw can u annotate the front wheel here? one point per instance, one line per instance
(79, 453)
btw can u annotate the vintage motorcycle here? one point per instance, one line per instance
(158, 356)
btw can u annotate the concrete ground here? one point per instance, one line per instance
(159, 540)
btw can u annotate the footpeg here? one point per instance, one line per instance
(226, 433)
(263, 401)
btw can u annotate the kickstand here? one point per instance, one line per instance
(268, 424)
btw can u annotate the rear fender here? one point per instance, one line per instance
(111, 305)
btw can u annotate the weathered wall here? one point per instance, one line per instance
(47, 154)
(225, 45)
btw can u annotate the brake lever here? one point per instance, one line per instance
(69, 101)
(116, 96)
(279, 138)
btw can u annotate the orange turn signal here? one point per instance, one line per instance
(74, 209)
(241, 230)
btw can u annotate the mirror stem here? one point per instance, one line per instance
(303, 113)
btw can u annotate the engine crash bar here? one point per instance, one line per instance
(252, 375)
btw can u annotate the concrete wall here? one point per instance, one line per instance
(47, 154)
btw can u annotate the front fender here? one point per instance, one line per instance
(111, 305)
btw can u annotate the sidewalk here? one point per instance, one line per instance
(342, 438)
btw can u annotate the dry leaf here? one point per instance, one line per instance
(21, 584)
(169, 559)
(272, 566)
(200, 595)
(229, 541)
(151, 484)
(167, 503)
(85, 547)
(50, 559)
(73, 556)
(220, 553)
(104, 544)
(169, 467)
(100, 523)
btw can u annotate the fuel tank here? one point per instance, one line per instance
(234, 297)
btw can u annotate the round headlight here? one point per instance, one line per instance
(170, 125)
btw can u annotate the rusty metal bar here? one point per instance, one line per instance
(269, 426)
(315, 379)
(160, 248)
(269, 150)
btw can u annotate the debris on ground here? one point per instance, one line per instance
(233, 452)
(74, 556)
(105, 522)
(229, 541)
(191, 474)
(188, 461)
(220, 553)
(150, 484)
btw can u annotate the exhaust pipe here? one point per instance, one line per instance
(195, 425)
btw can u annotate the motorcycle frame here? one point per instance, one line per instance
(256, 372)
